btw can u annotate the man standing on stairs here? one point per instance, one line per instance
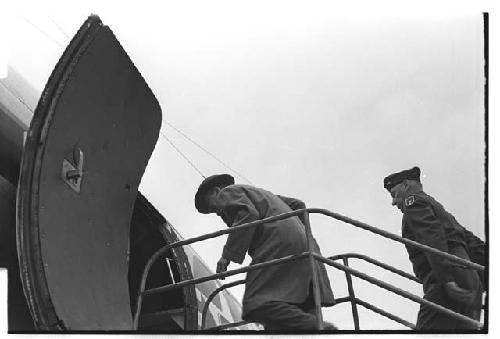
(445, 283)
(279, 297)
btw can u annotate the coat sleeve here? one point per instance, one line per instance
(429, 231)
(294, 204)
(476, 247)
(237, 210)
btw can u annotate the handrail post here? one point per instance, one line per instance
(350, 288)
(312, 263)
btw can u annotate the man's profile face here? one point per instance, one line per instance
(397, 193)
(210, 198)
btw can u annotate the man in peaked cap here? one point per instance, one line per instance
(279, 297)
(444, 282)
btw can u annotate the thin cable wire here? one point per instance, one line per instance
(43, 32)
(162, 134)
(182, 154)
(59, 27)
(169, 124)
(15, 96)
(206, 151)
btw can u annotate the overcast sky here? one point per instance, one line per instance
(304, 102)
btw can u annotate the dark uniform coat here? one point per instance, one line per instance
(427, 222)
(287, 282)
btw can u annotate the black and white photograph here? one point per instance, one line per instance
(222, 167)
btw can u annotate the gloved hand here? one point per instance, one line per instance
(458, 293)
(222, 265)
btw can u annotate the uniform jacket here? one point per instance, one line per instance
(426, 221)
(287, 282)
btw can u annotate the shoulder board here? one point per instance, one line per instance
(409, 200)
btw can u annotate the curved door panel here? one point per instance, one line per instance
(88, 145)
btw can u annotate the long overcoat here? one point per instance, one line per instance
(286, 282)
(426, 221)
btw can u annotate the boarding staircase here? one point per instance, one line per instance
(312, 257)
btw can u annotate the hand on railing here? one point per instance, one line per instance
(222, 266)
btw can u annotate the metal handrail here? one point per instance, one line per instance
(375, 309)
(354, 300)
(212, 296)
(229, 273)
(245, 269)
(397, 238)
(176, 244)
(398, 291)
(386, 314)
(314, 271)
(337, 301)
(380, 264)
(232, 284)
(376, 263)
(352, 296)
(311, 256)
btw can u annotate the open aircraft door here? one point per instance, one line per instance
(87, 147)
